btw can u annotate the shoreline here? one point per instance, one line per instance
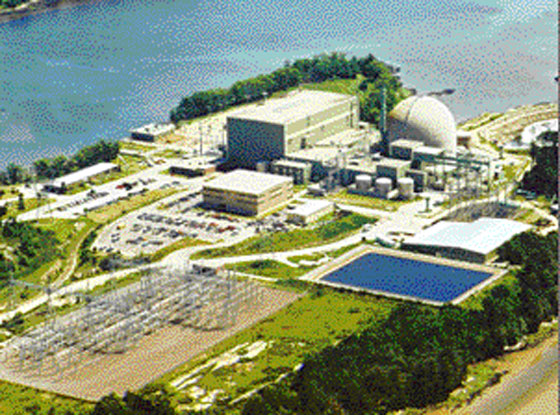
(40, 6)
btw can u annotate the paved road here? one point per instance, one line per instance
(515, 393)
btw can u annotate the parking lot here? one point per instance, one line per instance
(73, 206)
(154, 227)
(151, 228)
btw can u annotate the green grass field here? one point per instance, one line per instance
(369, 202)
(109, 213)
(180, 244)
(22, 400)
(300, 238)
(269, 268)
(313, 322)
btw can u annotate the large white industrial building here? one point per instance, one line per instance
(474, 242)
(276, 127)
(247, 192)
(60, 184)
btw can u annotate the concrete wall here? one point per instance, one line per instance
(253, 141)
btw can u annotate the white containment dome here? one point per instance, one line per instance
(424, 119)
(406, 187)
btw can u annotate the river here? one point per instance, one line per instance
(73, 76)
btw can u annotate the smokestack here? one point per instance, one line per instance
(383, 122)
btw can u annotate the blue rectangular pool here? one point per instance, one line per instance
(407, 277)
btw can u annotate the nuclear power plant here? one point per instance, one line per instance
(315, 137)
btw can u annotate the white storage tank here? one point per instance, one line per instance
(383, 185)
(363, 182)
(406, 187)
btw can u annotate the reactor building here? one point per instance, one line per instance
(272, 129)
(424, 120)
(317, 136)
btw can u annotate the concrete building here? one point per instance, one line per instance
(392, 168)
(247, 192)
(151, 132)
(300, 172)
(60, 184)
(192, 168)
(403, 149)
(473, 242)
(280, 126)
(310, 211)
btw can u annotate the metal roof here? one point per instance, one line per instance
(311, 207)
(248, 182)
(481, 236)
(83, 174)
(294, 106)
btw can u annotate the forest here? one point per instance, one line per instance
(312, 70)
(30, 247)
(50, 168)
(543, 177)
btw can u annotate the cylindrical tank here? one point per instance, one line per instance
(363, 182)
(383, 185)
(406, 187)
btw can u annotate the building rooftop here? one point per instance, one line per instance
(393, 163)
(154, 129)
(344, 138)
(404, 143)
(317, 154)
(311, 207)
(295, 106)
(290, 163)
(83, 174)
(431, 151)
(248, 182)
(481, 236)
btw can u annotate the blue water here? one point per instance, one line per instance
(407, 277)
(70, 77)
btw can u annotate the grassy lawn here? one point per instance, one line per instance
(111, 212)
(180, 244)
(8, 192)
(22, 400)
(269, 268)
(369, 202)
(341, 86)
(125, 145)
(284, 241)
(69, 233)
(311, 323)
(28, 204)
(169, 153)
(129, 166)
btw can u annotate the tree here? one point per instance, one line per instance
(14, 174)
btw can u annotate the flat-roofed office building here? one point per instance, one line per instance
(247, 192)
(268, 131)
